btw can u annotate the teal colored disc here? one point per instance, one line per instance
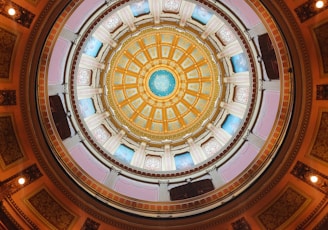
(161, 83)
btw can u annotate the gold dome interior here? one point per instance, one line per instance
(156, 117)
(155, 114)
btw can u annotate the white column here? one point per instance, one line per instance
(234, 108)
(72, 141)
(230, 50)
(164, 194)
(87, 92)
(257, 30)
(56, 89)
(241, 78)
(90, 62)
(111, 178)
(96, 119)
(127, 17)
(186, 10)
(216, 178)
(168, 159)
(256, 140)
(196, 151)
(104, 36)
(139, 156)
(156, 9)
(114, 142)
(219, 134)
(212, 26)
(69, 35)
(273, 85)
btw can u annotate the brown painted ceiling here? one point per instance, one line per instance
(282, 197)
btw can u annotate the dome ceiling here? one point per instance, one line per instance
(162, 84)
(162, 95)
(86, 89)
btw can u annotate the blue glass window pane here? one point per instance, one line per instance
(87, 107)
(140, 8)
(201, 15)
(92, 47)
(231, 124)
(124, 154)
(239, 63)
(183, 161)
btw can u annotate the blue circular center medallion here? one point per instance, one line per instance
(161, 83)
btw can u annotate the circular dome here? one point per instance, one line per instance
(149, 109)
(165, 108)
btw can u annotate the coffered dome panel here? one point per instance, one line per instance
(170, 91)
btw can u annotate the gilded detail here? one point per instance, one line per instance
(51, 211)
(282, 209)
(191, 99)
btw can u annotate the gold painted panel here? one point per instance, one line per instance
(321, 33)
(50, 210)
(283, 209)
(7, 44)
(10, 151)
(320, 147)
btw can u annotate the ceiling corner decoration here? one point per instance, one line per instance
(275, 215)
(10, 151)
(147, 102)
(322, 35)
(7, 50)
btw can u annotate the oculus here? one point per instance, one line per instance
(161, 83)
